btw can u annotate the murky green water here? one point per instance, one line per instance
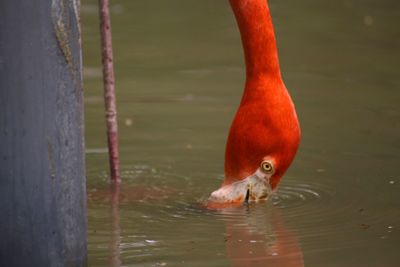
(179, 79)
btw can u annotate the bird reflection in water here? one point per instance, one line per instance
(256, 236)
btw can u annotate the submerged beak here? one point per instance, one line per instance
(253, 188)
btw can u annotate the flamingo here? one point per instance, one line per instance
(265, 132)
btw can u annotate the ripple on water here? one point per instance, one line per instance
(156, 219)
(137, 225)
(325, 219)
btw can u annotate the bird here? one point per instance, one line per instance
(265, 133)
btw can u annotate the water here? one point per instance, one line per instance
(180, 74)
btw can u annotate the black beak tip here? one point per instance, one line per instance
(246, 199)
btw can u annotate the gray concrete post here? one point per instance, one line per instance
(42, 167)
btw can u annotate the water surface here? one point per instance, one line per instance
(180, 76)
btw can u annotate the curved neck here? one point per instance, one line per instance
(258, 38)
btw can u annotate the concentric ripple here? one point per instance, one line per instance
(157, 218)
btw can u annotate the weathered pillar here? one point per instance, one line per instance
(42, 167)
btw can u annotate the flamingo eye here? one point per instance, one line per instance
(267, 167)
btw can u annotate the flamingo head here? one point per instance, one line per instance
(254, 187)
(261, 145)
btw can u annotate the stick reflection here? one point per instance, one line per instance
(115, 241)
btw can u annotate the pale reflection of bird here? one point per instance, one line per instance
(265, 132)
(259, 237)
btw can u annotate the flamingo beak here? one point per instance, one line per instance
(253, 188)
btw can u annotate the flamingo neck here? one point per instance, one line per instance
(258, 38)
(266, 122)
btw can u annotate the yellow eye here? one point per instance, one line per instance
(267, 167)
